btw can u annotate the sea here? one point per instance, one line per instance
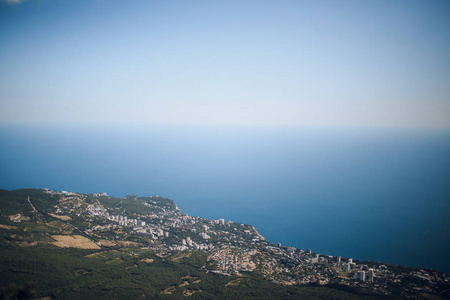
(367, 194)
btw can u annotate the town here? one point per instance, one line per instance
(232, 248)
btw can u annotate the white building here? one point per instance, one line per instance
(360, 275)
(370, 275)
(204, 235)
(347, 267)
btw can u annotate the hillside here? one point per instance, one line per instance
(68, 245)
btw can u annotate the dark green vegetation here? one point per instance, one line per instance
(16, 201)
(32, 266)
(87, 274)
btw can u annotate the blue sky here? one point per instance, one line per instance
(305, 63)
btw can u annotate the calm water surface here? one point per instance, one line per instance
(377, 195)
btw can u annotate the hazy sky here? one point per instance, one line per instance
(326, 63)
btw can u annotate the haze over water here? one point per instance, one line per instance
(368, 194)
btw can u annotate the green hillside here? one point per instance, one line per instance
(76, 246)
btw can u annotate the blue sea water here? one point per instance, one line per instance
(381, 195)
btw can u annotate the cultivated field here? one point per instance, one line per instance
(74, 241)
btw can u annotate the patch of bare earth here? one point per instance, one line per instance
(73, 241)
(7, 227)
(107, 243)
(187, 293)
(95, 254)
(101, 254)
(18, 218)
(127, 268)
(184, 284)
(168, 291)
(234, 282)
(180, 256)
(147, 260)
(61, 217)
(27, 244)
(81, 272)
(128, 243)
